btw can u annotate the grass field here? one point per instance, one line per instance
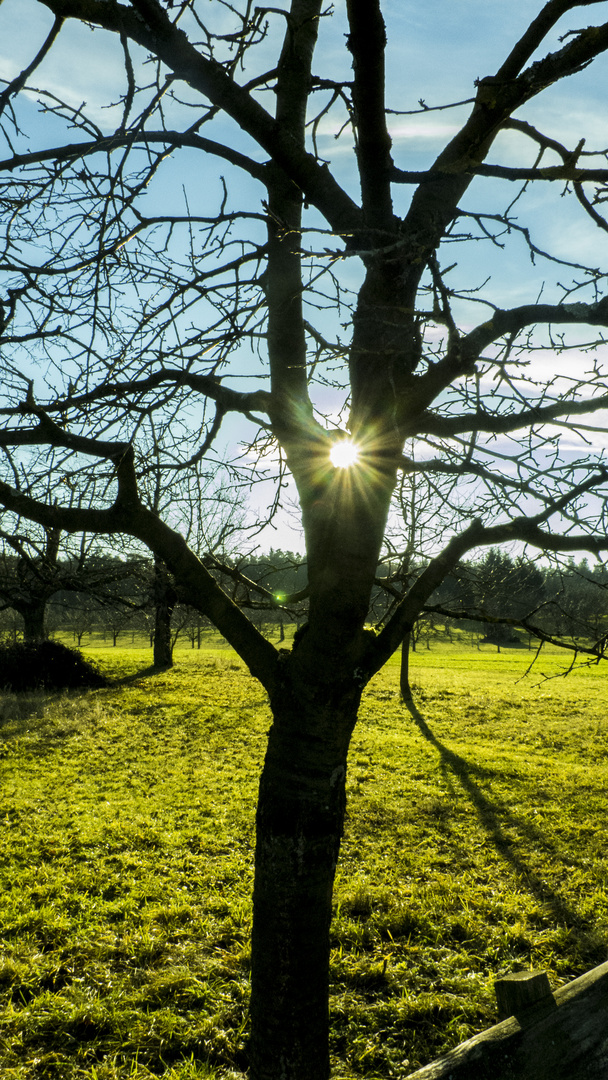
(474, 846)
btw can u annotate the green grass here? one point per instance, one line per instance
(474, 846)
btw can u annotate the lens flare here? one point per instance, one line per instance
(343, 454)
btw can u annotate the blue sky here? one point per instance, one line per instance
(436, 51)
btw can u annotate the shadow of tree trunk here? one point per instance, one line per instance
(494, 817)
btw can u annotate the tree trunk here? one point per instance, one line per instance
(164, 602)
(404, 674)
(34, 630)
(299, 828)
(163, 649)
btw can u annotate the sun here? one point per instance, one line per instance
(343, 454)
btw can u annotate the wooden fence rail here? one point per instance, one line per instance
(559, 1036)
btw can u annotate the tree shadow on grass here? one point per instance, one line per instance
(28, 721)
(34, 712)
(494, 816)
(143, 673)
(18, 708)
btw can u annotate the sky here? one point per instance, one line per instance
(436, 52)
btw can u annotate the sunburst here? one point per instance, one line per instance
(344, 454)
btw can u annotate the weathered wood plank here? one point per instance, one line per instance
(562, 1037)
(520, 990)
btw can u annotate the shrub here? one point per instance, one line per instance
(48, 666)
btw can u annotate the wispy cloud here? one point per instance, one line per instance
(423, 128)
(83, 67)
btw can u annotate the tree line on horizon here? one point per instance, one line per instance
(495, 597)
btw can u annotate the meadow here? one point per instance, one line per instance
(474, 846)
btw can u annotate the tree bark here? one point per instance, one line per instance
(300, 818)
(164, 603)
(404, 671)
(34, 631)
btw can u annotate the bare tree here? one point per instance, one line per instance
(39, 564)
(425, 513)
(165, 599)
(139, 315)
(30, 576)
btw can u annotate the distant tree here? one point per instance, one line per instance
(80, 616)
(577, 602)
(29, 576)
(423, 512)
(189, 622)
(40, 569)
(505, 590)
(165, 599)
(10, 623)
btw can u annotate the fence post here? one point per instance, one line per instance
(547, 1036)
(520, 989)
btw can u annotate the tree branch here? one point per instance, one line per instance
(511, 321)
(536, 33)
(210, 385)
(20, 80)
(236, 575)
(283, 279)
(367, 43)
(525, 529)
(107, 144)
(572, 173)
(151, 27)
(203, 593)
(435, 203)
(598, 651)
(406, 613)
(460, 360)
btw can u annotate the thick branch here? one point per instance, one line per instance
(495, 424)
(73, 151)
(236, 575)
(526, 530)
(460, 360)
(203, 592)
(512, 320)
(435, 203)
(47, 433)
(283, 280)
(229, 400)
(536, 33)
(109, 143)
(568, 173)
(367, 43)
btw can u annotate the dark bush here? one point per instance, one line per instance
(46, 666)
